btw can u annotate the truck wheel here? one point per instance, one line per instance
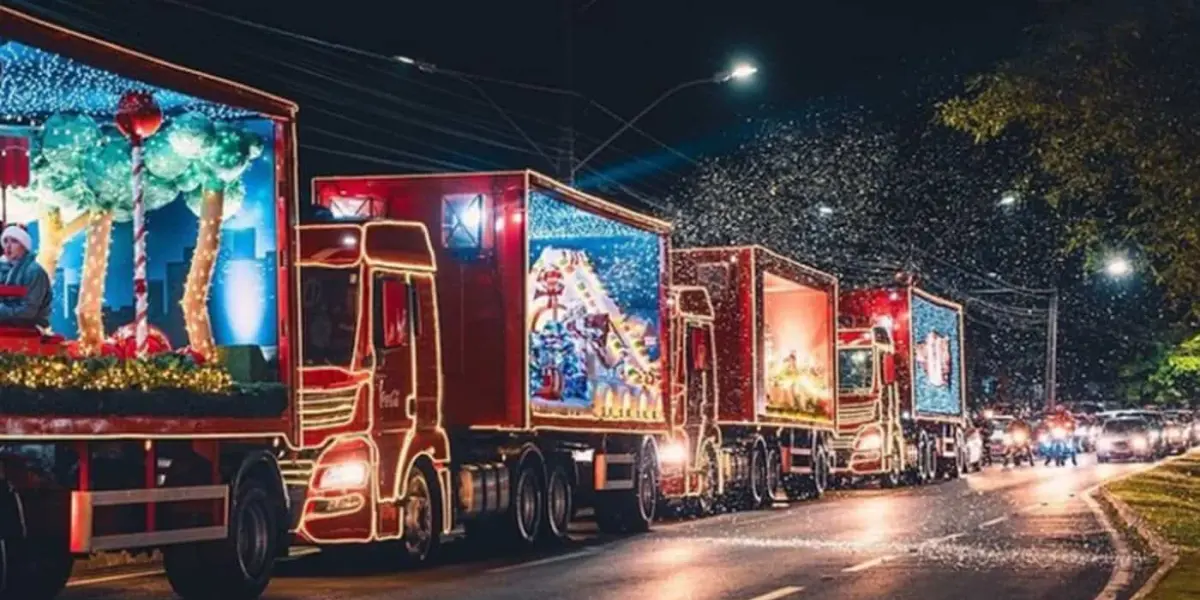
(528, 501)
(632, 510)
(238, 567)
(422, 516)
(31, 571)
(820, 475)
(558, 504)
(757, 495)
(774, 468)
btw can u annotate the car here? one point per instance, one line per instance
(995, 428)
(1176, 436)
(1190, 424)
(1125, 438)
(1157, 427)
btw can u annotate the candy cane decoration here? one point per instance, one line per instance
(141, 301)
(138, 117)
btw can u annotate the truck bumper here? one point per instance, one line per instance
(858, 463)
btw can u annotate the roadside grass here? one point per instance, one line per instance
(1167, 498)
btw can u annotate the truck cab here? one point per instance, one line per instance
(370, 384)
(690, 467)
(868, 404)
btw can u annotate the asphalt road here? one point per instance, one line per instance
(1003, 533)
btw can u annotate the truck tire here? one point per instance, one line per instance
(527, 507)
(632, 511)
(238, 567)
(820, 475)
(757, 494)
(558, 511)
(422, 516)
(774, 478)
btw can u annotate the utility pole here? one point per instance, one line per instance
(1052, 351)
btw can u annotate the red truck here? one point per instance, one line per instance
(755, 378)
(901, 387)
(425, 354)
(532, 382)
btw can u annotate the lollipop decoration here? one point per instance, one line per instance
(138, 118)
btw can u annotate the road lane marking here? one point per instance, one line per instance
(779, 593)
(996, 521)
(545, 561)
(863, 566)
(111, 578)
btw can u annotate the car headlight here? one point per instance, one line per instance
(997, 436)
(672, 453)
(1020, 437)
(1140, 443)
(1104, 444)
(870, 441)
(1043, 438)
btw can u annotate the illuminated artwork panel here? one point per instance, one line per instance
(797, 337)
(593, 293)
(936, 338)
(207, 181)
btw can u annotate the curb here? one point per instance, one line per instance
(1164, 551)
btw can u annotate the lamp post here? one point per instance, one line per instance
(738, 72)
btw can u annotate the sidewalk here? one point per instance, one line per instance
(1167, 500)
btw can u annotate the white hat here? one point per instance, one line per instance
(17, 233)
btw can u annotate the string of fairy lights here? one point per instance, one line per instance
(63, 372)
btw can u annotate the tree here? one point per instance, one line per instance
(1105, 102)
(215, 157)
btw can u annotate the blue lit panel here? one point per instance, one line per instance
(593, 292)
(36, 83)
(205, 157)
(937, 348)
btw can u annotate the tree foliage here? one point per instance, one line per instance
(1105, 101)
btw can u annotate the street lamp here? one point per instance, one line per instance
(1008, 199)
(1118, 266)
(739, 72)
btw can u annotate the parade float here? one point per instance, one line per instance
(902, 394)
(144, 404)
(773, 330)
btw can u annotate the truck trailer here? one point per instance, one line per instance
(532, 385)
(152, 411)
(901, 393)
(756, 378)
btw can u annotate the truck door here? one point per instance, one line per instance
(393, 344)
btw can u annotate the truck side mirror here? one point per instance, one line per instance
(888, 369)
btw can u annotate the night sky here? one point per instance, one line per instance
(879, 66)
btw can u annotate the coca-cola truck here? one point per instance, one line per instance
(755, 378)
(901, 386)
(520, 376)
(148, 381)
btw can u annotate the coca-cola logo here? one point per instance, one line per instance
(933, 355)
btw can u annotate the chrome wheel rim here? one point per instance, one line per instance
(527, 505)
(647, 484)
(418, 517)
(558, 503)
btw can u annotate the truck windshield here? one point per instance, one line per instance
(855, 369)
(329, 310)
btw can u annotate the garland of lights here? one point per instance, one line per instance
(164, 372)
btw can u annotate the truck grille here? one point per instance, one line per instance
(326, 410)
(297, 472)
(856, 414)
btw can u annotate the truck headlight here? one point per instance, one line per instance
(870, 441)
(347, 475)
(672, 453)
